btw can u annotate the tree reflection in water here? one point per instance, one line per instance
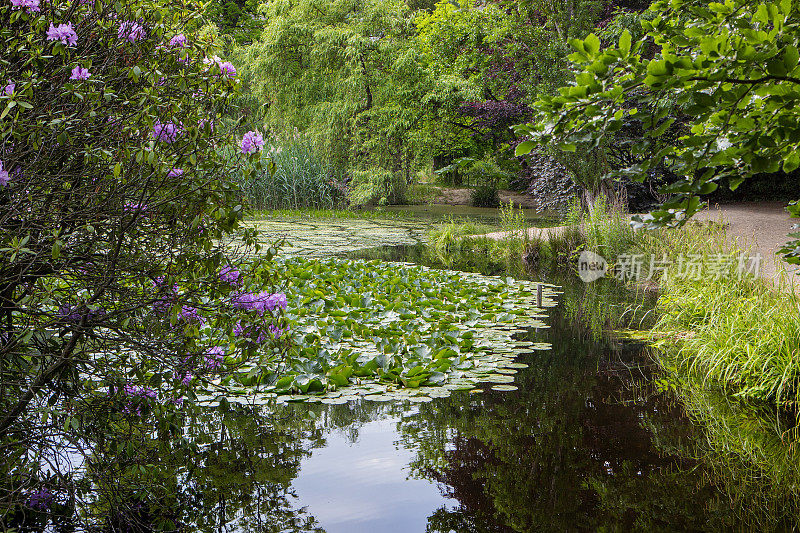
(587, 442)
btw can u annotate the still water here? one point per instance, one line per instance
(592, 440)
(588, 442)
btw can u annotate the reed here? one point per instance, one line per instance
(300, 180)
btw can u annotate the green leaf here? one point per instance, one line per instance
(625, 42)
(592, 44)
(525, 148)
(791, 56)
(791, 162)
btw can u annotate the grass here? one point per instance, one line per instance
(460, 244)
(739, 334)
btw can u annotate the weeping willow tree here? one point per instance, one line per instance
(344, 73)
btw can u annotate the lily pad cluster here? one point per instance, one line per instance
(385, 331)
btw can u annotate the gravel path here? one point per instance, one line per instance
(760, 227)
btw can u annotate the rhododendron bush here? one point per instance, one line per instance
(118, 283)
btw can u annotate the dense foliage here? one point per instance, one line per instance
(118, 294)
(727, 75)
(388, 90)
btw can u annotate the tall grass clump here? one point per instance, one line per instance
(461, 244)
(458, 243)
(733, 331)
(299, 179)
(605, 230)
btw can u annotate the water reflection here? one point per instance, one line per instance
(363, 485)
(588, 442)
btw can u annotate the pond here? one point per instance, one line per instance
(588, 442)
(329, 236)
(589, 437)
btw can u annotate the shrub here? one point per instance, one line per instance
(114, 286)
(485, 196)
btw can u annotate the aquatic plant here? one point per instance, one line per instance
(386, 330)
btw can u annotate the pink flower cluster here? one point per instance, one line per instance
(252, 142)
(257, 333)
(167, 132)
(214, 357)
(169, 295)
(191, 314)
(41, 500)
(132, 207)
(175, 173)
(138, 395)
(80, 73)
(226, 67)
(5, 177)
(179, 41)
(230, 275)
(64, 33)
(260, 302)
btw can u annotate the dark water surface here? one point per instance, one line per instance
(587, 443)
(590, 441)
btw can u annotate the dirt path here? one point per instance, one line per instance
(759, 227)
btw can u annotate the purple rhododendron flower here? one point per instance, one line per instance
(5, 177)
(138, 393)
(80, 73)
(168, 299)
(277, 332)
(252, 142)
(132, 31)
(32, 6)
(230, 274)
(175, 173)
(41, 500)
(9, 89)
(202, 123)
(167, 132)
(226, 67)
(179, 41)
(184, 377)
(260, 302)
(214, 357)
(66, 312)
(191, 314)
(64, 33)
(130, 207)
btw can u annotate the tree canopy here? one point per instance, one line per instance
(729, 70)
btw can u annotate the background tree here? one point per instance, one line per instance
(732, 66)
